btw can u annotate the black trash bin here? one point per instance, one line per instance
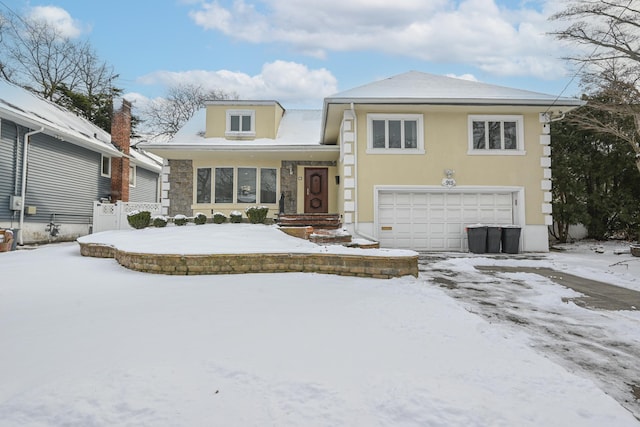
(494, 237)
(510, 239)
(477, 236)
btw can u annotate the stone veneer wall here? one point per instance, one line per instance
(180, 191)
(383, 267)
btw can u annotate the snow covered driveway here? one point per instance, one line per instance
(602, 345)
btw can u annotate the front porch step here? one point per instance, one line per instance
(317, 221)
(330, 237)
(325, 236)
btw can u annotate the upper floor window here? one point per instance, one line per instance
(496, 135)
(241, 123)
(395, 133)
(105, 166)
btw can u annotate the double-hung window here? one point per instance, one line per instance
(105, 166)
(236, 185)
(241, 123)
(395, 133)
(496, 135)
(132, 175)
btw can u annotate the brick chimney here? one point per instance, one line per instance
(120, 137)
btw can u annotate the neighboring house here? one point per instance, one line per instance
(409, 161)
(144, 176)
(54, 165)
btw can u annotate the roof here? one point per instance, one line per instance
(242, 102)
(32, 111)
(145, 160)
(297, 128)
(415, 86)
(298, 136)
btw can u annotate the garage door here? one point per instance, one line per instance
(436, 221)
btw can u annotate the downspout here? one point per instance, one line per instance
(16, 178)
(23, 193)
(355, 175)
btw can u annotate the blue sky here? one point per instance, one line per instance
(299, 51)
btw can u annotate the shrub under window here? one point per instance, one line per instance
(200, 219)
(257, 214)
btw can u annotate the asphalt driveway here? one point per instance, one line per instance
(598, 295)
(589, 327)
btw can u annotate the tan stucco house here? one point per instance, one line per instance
(409, 161)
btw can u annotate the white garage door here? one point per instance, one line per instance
(436, 221)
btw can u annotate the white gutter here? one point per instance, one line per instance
(55, 131)
(532, 102)
(355, 177)
(23, 193)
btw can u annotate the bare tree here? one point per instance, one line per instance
(38, 57)
(165, 116)
(609, 33)
(4, 72)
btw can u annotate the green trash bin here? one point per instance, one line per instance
(494, 238)
(477, 237)
(510, 239)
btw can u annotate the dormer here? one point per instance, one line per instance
(245, 120)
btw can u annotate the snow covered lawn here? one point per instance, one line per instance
(85, 342)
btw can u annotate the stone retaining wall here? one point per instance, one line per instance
(346, 265)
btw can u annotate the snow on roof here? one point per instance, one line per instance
(28, 109)
(419, 86)
(146, 160)
(297, 127)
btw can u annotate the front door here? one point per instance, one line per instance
(316, 197)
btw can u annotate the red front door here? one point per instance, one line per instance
(316, 198)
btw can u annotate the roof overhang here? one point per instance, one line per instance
(284, 152)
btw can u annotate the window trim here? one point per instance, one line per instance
(241, 133)
(518, 151)
(418, 118)
(102, 164)
(236, 169)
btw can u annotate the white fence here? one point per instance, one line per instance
(113, 216)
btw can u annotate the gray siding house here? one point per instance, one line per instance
(55, 164)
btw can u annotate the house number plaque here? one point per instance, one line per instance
(448, 181)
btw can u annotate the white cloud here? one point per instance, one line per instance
(286, 82)
(502, 40)
(467, 76)
(57, 18)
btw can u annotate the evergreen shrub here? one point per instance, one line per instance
(235, 217)
(159, 221)
(180, 219)
(219, 218)
(139, 219)
(257, 214)
(200, 219)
